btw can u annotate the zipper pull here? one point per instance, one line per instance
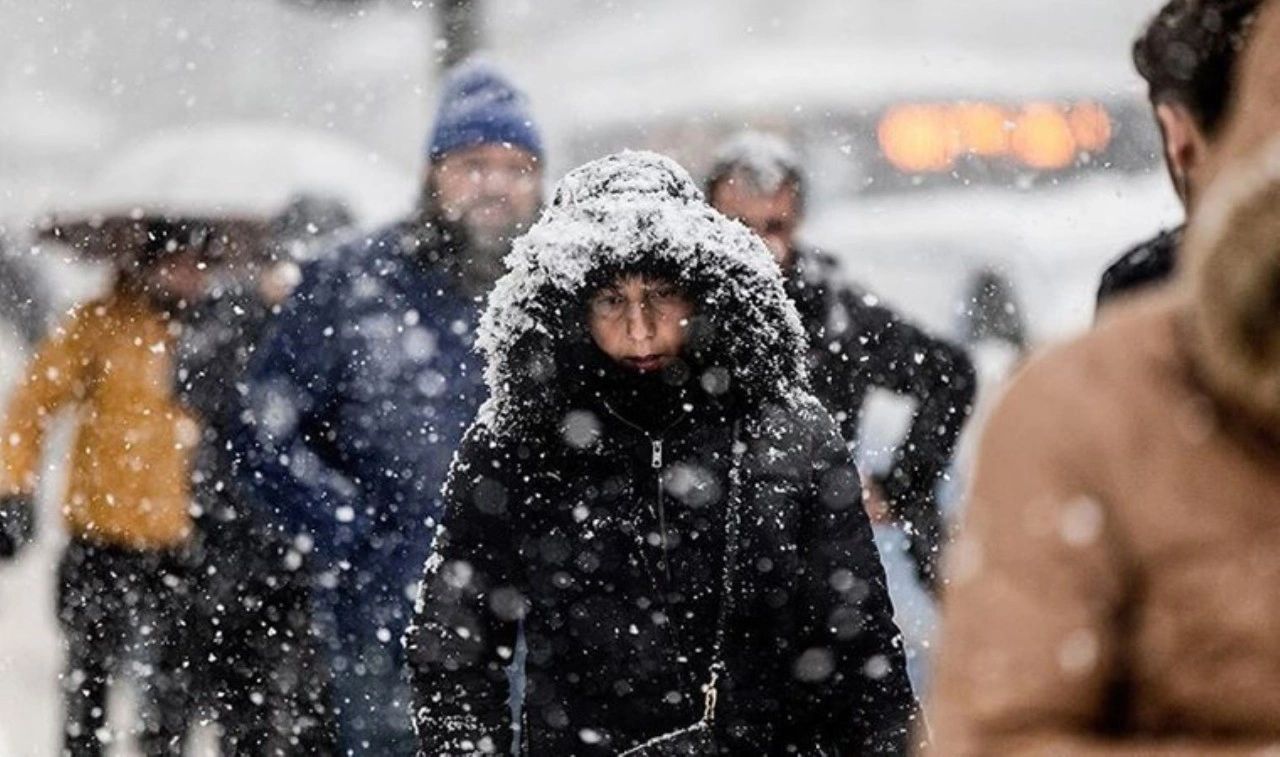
(657, 453)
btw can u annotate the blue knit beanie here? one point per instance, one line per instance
(480, 106)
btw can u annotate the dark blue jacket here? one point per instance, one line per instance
(356, 403)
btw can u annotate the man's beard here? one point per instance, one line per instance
(487, 244)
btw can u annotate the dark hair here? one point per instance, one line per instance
(1188, 55)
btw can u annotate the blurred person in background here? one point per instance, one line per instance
(124, 576)
(994, 331)
(856, 344)
(653, 492)
(360, 395)
(1187, 55)
(1114, 587)
(249, 640)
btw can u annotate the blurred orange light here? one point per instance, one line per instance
(1042, 138)
(1090, 125)
(915, 139)
(982, 129)
(930, 138)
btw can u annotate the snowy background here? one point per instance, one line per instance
(84, 83)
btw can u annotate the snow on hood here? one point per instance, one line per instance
(633, 211)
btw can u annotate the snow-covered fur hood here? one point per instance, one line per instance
(1232, 262)
(634, 212)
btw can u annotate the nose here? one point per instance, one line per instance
(640, 325)
(495, 182)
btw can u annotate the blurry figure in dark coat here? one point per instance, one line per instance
(360, 395)
(856, 343)
(254, 660)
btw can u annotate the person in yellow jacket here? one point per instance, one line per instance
(127, 504)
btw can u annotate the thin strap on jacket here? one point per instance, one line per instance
(732, 532)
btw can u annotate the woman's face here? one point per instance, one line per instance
(640, 322)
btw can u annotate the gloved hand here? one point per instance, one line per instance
(17, 523)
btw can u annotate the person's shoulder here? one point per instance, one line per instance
(82, 318)
(485, 454)
(364, 251)
(500, 449)
(1154, 255)
(822, 273)
(1126, 363)
(96, 307)
(816, 261)
(365, 259)
(109, 309)
(1145, 264)
(800, 416)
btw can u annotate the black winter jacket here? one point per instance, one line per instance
(218, 340)
(856, 344)
(589, 507)
(621, 631)
(1147, 264)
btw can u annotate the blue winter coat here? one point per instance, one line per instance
(355, 405)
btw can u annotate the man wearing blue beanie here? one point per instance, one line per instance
(484, 163)
(354, 405)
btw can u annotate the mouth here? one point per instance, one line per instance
(490, 208)
(646, 363)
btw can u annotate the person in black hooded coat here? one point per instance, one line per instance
(593, 503)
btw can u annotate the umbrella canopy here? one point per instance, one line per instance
(232, 177)
(239, 169)
(140, 238)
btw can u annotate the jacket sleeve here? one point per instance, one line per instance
(287, 434)
(940, 378)
(1033, 632)
(465, 622)
(55, 377)
(851, 673)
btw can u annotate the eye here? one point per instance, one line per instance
(607, 303)
(666, 294)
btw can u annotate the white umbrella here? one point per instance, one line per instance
(245, 170)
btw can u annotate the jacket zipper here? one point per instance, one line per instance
(662, 504)
(656, 459)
